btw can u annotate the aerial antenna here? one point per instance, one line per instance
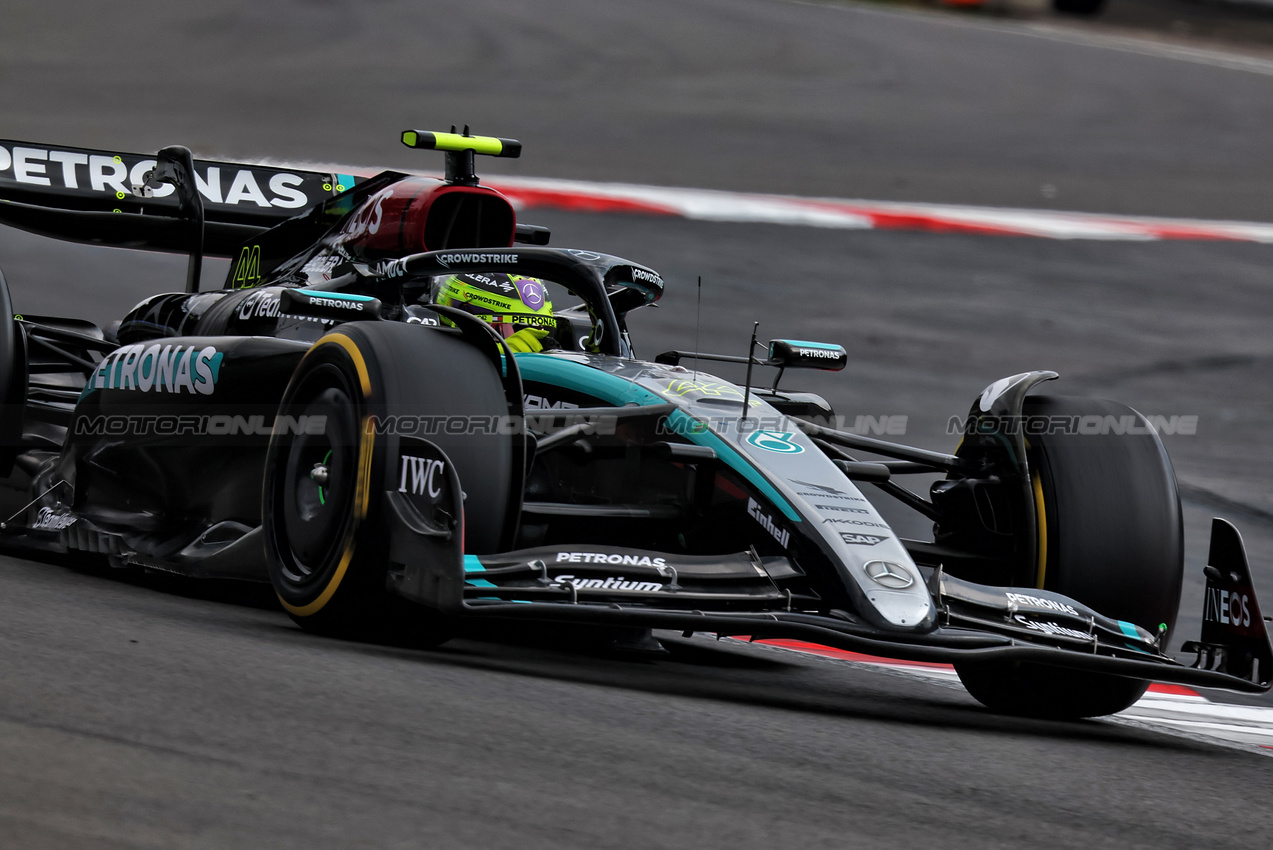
(747, 383)
(698, 327)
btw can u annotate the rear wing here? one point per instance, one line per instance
(103, 181)
(98, 197)
(173, 202)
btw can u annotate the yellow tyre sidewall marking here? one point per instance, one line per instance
(324, 597)
(362, 494)
(1041, 530)
(351, 348)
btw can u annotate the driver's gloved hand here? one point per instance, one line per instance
(527, 340)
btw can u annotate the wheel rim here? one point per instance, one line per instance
(317, 483)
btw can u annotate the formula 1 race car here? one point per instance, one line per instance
(385, 461)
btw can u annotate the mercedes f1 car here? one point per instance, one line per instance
(322, 423)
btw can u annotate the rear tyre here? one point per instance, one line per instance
(1112, 539)
(12, 381)
(326, 529)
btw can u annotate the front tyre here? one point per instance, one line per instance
(1111, 537)
(316, 498)
(327, 531)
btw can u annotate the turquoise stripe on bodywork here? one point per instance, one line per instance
(803, 344)
(558, 371)
(1131, 631)
(620, 392)
(473, 565)
(338, 296)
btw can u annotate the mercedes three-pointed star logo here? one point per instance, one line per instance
(892, 576)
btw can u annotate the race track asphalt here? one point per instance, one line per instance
(141, 712)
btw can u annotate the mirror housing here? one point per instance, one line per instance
(798, 354)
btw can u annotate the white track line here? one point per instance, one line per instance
(714, 205)
(531, 193)
(1169, 709)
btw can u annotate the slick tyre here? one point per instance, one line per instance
(326, 526)
(12, 381)
(1111, 537)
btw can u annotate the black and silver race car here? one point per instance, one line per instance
(386, 462)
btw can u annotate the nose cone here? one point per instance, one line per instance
(898, 595)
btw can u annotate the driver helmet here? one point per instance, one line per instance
(507, 302)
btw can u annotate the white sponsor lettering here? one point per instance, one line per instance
(211, 187)
(843, 508)
(110, 173)
(244, 188)
(647, 277)
(825, 491)
(26, 171)
(1228, 608)
(604, 558)
(447, 259)
(321, 265)
(289, 197)
(820, 353)
(339, 303)
(259, 305)
(615, 583)
(1040, 602)
(393, 268)
(1051, 628)
(782, 535)
(855, 539)
(367, 218)
(831, 496)
(69, 160)
(170, 368)
(846, 521)
(538, 402)
(423, 476)
(45, 518)
(105, 174)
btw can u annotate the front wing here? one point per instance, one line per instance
(745, 594)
